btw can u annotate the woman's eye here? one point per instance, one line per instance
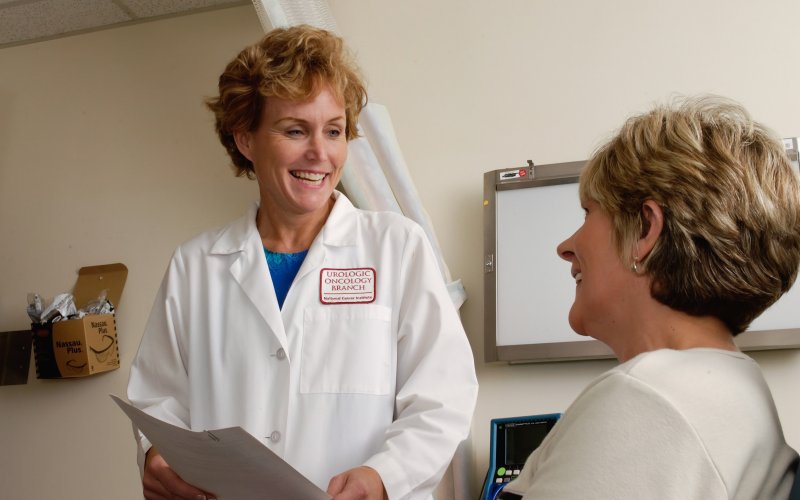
(294, 132)
(334, 133)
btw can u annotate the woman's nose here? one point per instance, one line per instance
(564, 249)
(316, 148)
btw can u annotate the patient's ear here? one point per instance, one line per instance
(652, 224)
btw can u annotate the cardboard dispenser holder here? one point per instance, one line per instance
(82, 347)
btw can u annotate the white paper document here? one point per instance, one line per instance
(230, 463)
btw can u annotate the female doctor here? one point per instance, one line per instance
(323, 330)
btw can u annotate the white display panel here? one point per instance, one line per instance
(535, 289)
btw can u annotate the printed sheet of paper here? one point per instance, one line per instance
(229, 463)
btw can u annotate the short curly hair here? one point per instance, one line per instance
(730, 245)
(288, 63)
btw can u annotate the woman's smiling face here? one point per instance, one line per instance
(298, 152)
(601, 279)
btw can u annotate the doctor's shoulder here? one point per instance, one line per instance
(388, 223)
(225, 239)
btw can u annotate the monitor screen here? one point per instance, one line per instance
(523, 438)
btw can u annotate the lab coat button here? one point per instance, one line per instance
(275, 436)
(281, 354)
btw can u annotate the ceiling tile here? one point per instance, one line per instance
(151, 8)
(49, 18)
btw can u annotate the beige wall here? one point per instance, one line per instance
(106, 154)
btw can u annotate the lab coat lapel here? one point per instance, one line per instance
(339, 230)
(250, 270)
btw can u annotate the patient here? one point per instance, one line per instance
(692, 230)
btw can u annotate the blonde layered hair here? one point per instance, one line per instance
(730, 245)
(288, 63)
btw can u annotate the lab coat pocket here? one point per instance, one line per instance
(346, 349)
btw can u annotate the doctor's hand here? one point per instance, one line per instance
(160, 482)
(361, 483)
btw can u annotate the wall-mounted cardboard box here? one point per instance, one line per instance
(82, 347)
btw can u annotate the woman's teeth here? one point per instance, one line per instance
(578, 277)
(313, 177)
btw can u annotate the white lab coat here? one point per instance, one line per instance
(389, 384)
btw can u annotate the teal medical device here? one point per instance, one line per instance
(512, 441)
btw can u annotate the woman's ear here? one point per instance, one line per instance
(652, 225)
(243, 141)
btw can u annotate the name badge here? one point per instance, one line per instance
(347, 286)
